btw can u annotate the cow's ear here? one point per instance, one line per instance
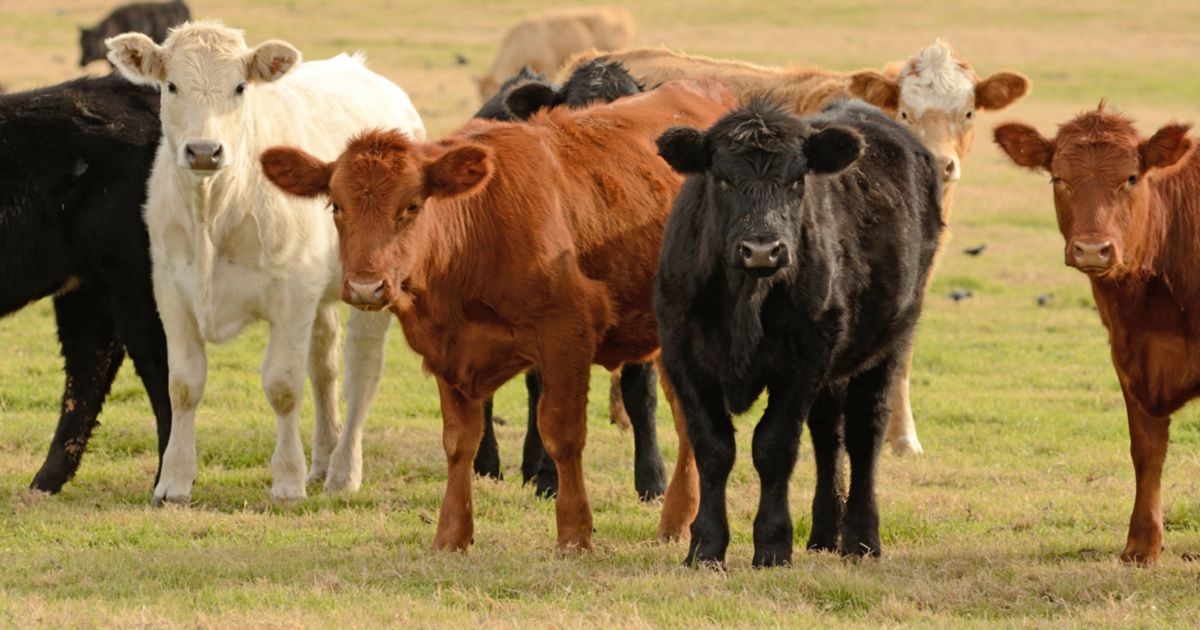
(1166, 147)
(686, 149)
(138, 58)
(526, 100)
(877, 89)
(832, 149)
(295, 172)
(271, 60)
(461, 171)
(1001, 90)
(1024, 145)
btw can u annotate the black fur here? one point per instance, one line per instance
(598, 81)
(823, 331)
(152, 18)
(75, 158)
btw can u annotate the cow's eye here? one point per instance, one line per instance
(171, 87)
(413, 208)
(969, 115)
(240, 88)
(334, 207)
(904, 116)
(1133, 180)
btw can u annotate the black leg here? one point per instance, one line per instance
(92, 354)
(639, 390)
(487, 458)
(825, 426)
(536, 464)
(776, 442)
(868, 406)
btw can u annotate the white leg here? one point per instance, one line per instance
(901, 431)
(366, 335)
(187, 366)
(323, 358)
(283, 383)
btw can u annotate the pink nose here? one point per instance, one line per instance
(1091, 255)
(370, 292)
(948, 165)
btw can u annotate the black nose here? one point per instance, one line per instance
(204, 156)
(763, 255)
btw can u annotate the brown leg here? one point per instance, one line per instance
(562, 422)
(462, 428)
(1148, 438)
(901, 432)
(682, 500)
(616, 404)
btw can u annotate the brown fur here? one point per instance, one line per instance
(1148, 296)
(544, 41)
(506, 246)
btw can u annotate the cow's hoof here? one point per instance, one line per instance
(907, 445)
(179, 499)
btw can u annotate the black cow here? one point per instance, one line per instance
(152, 18)
(521, 96)
(75, 158)
(794, 261)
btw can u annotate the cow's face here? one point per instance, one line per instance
(936, 95)
(1100, 170)
(755, 162)
(383, 191)
(207, 77)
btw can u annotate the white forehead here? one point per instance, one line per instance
(205, 51)
(936, 78)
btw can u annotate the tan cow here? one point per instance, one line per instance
(545, 40)
(935, 93)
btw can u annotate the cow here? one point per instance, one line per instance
(545, 40)
(795, 261)
(228, 249)
(75, 158)
(504, 246)
(152, 18)
(1127, 208)
(521, 96)
(935, 93)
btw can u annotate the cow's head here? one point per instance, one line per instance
(207, 77)
(91, 42)
(936, 95)
(1101, 170)
(383, 191)
(494, 108)
(755, 162)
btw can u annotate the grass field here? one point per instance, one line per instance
(1014, 516)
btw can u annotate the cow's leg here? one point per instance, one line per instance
(640, 397)
(366, 336)
(187, 366)
(141, 331)
(536, 464)
(682, 499)
(562, 423)
(616, 401)
(776, 442)
(323, 363)
(283, 383)
(1148, 437)
(91, 356)
(462, 428)
(868, 397)
(487, 459)
(825, 425)
(901, 431)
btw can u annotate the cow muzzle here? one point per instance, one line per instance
(948, 168)
(1092, 256)
(367, 295)
(204, 156)
(761, 257)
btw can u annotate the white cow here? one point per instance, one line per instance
(229, 249)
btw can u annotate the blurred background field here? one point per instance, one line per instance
(1013, 516)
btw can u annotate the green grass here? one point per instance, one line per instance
(1012, 518)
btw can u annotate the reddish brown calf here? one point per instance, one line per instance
(1129, 210)
(504, 246)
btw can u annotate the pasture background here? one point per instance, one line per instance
(1014, 515)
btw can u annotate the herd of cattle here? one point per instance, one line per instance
(718, 227)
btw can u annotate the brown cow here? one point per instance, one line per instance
(544, 41)
(935, 93)
(1128, 208)
(502, 247)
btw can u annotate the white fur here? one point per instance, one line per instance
(228, 248)
(934, 79)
